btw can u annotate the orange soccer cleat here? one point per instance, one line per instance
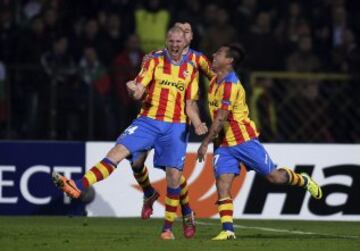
(68, 186)
(167, 235)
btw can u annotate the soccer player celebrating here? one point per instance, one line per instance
(137, 160)
(168, 86)
(236, 139)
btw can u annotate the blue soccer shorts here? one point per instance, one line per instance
(168, 139)
(250, 153)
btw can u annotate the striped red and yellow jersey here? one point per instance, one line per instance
(168, 86)
(229, 94)
(201, 62)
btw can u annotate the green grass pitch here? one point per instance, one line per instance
(77, 233)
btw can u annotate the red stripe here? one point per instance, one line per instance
(167, 66)
(160, 113)
(177, 108)
(85, 182)
(108, 167)
(170, 208)
(222, 202)
(226, 213)
(249, 129)
(212, 84)
(97, 173)
(173, 196)
(227, 91)
(183, 68)
(239, 137)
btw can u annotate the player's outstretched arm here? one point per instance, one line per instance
(215, 128)
(192, 111)
(136, 90)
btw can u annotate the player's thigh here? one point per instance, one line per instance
(139, 136)
(253, 154)
(170, 147)
(137, 159)
(225, 163)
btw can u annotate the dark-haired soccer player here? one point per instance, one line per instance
(168, 86)
(137, 162)
(236, 138)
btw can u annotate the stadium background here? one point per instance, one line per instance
(63, 69)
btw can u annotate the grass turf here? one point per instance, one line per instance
(77, 233)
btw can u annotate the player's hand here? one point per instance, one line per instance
(131, 87)
(202, 151)
(201, 129)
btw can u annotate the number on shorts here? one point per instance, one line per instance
(130, 130)
(216, 158)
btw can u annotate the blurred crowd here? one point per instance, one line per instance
(64, 63)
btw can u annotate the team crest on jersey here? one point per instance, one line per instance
(186, 73)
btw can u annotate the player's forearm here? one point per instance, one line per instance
(216, 126)
(192, 111)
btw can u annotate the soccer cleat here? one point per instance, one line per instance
(224, 235)
(147, 208)
(68, 186)
(313, 188)
(189, 227)
(167, 235)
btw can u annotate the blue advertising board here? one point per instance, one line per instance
(26, 187)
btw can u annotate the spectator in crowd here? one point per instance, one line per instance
(211, 40)
(125, 67)
(60, 69)
(263, 109)
(112, 39)
(262, 48)
(97, 82)
(151, 23)
(243, 16)
(303, 59)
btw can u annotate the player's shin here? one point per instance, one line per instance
(184, 197)
(171, 205)
(97, 173)
(294, 179)
(226, 209)
(142, 177)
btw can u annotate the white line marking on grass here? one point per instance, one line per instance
(278, 230)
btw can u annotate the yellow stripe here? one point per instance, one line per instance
(226, 219)
(102, 169)
(171, 202)
(183, 191)
(170, 216)
(182, 179)
(295, 180)
(302, 181)
(90, 176)
(228, 206)
(185, 200)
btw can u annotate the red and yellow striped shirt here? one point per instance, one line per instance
(201, 62)
(229, 94)
(168, 86)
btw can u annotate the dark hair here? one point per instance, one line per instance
(236, 52)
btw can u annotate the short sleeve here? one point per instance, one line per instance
(146, 73)
(192, 89)
(227, 95)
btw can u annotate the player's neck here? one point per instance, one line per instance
(222, 73)
(186, 50)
